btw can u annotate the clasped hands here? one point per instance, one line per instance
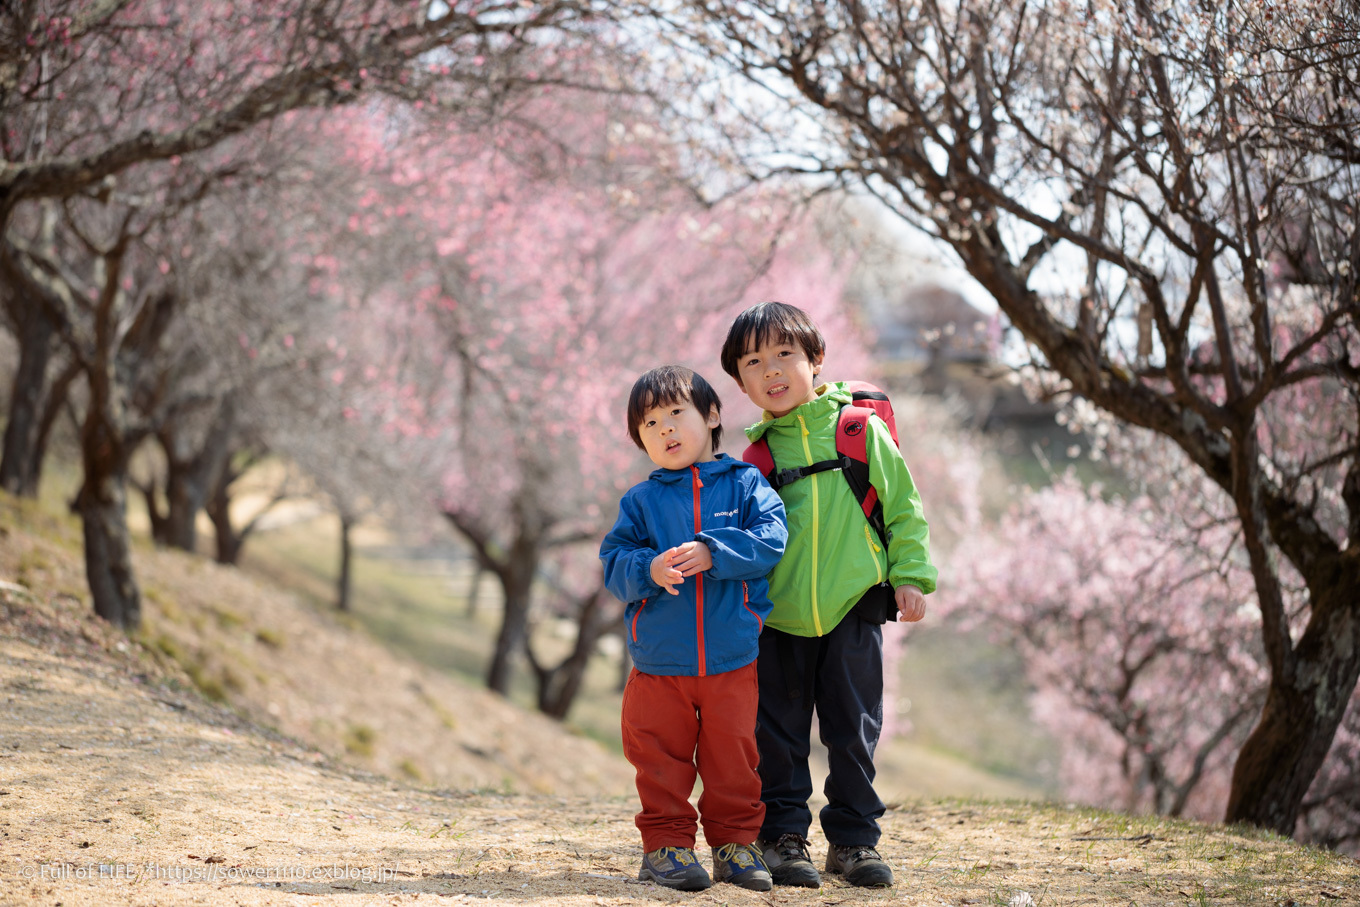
(670, 567)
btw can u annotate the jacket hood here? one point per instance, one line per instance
(830, 398)
(720, 464)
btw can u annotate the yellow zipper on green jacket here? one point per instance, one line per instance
(816, 530)
(873, 553)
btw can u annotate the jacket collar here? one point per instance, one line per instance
(720, 464)
(829, 400)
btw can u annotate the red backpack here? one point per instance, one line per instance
(852, 456)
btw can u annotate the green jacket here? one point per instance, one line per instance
(833, 555)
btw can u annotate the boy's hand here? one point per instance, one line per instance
(664, 573)
(911, 603)
(692, 557)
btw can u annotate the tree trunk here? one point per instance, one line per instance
(102, 505)
(515, 568)
(516, 577)
(342, 601)
(228, 542)
(559, 685)
(192, 475)
(1303, 710)
(154, 515)
(184, 499)
(21, 461)
(58, 397)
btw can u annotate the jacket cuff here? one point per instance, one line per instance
(642, 578)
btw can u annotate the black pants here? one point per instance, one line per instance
(841, 674)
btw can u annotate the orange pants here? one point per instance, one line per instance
(677, 728)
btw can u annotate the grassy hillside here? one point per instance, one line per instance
(281, 662)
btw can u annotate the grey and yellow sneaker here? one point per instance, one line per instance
(674, 867)
(789, 861)
(861, 866)
(742, 865)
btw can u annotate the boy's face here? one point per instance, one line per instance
(676, 435)
(778, 377)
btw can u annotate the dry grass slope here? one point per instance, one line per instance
(288, 667)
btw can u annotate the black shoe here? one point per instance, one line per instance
(862, 866)
(674, 867)
(789, 861)
(741, 864)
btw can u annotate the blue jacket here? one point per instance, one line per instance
(714, 624)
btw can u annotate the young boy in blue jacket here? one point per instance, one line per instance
(689, 554)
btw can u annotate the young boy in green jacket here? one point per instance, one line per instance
(816, 648)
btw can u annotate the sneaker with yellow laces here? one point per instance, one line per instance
(674, 867)
(742, 865)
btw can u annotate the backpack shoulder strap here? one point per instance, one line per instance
(852, 444)
(852, 432)
(757, 453)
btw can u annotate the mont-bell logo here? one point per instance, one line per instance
(854, 427)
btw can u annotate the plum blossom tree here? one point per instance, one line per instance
(102, 102)
(542, 269)
(1137, 634)
(244, 322)
(1132, 628)
(89, 90)
(112, 353)
(1162, 201)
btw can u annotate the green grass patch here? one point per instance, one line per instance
(271, 638)
(211, 687)
(167, 647)
(227, 619)
(359, 740)
(419, 609)
(412, 771)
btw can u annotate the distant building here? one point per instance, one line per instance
(936, 342)
(932, 322)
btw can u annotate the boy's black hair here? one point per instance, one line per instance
(671, 384)
(770, 322)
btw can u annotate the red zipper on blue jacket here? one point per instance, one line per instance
(745, 603)
(637, 614)
(698, 577)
